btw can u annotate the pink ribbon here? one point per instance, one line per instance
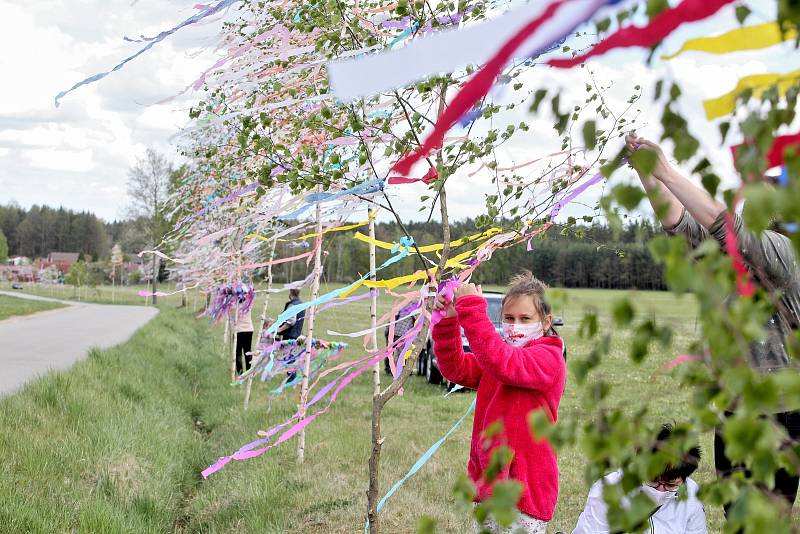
(447, 292)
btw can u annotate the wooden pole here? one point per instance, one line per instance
(373, 308)
(374, 466)
(226, 337)
(261, 318)
(301, 445)
(394, 388)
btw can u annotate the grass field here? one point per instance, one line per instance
(116, 443)
(12, 307)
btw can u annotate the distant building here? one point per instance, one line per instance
(60, 260)
(18, 273)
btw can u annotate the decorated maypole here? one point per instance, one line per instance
(301, 443)
(261, 319)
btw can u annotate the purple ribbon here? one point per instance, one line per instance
(574, 193)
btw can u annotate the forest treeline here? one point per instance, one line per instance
(39, 230)
(590, 256)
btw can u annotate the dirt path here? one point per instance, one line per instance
(32, 345)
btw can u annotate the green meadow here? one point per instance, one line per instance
(116, 444)
(13, 307)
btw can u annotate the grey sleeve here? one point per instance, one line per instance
(769, 254)
(687, 226)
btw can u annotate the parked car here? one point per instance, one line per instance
(426, 365)
(16, 285)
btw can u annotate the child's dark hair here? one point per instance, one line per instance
(687, 465)
(525, 284)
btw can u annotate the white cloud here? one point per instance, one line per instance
(78, 155)
(60, 160)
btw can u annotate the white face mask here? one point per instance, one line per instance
(519, 335)
(659, 497)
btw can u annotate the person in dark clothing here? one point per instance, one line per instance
(691, 211)
(244, 341)
(292, 328)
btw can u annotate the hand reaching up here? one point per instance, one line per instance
(467, 289)
(634, 143)
(444, 303)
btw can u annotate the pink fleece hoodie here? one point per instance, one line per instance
(511, 383)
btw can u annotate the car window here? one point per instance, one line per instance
(495, 310)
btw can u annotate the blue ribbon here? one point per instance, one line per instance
(372, 186)
(423, 459)
(158, 38)
(783, 179)
(402, 249)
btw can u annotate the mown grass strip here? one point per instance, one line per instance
(14, 307)
(116, 443)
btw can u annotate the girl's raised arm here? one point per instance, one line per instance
(454, 364)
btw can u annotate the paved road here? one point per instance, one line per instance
(31, 345)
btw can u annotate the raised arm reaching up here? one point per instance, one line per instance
(675, 190)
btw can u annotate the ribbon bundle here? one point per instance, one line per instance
(228, 297)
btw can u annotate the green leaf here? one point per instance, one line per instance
(589, 135)
(724, 127)
(623, 312)
(503, 501)
(628, 196)
(742, 12)
(658, 89)
(711, 183)
(501, 457)
(537, 100)
(644, 161)
(540, 424)
(426, 525)
(654, 7)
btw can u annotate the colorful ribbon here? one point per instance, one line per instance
(446, 290)
(574, 14)
(422, 460)
(154, 40)
(656, 31)
(429, 248)
(574, 194)
(335, 387)
(748, 38)
(401, 250)
(372, 186)
(429, 178)
(744, 285)
(758, 83)
(774, 157)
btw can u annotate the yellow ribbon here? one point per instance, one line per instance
(337, 229)
(759, 83)
(429, 248)
(257, 236)
(315, 234)
(456, 262)
(748, 38)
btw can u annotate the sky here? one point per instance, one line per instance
(77, 155)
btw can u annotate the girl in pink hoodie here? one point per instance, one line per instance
(516, 373)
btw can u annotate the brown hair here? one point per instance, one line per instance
(525, 284)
